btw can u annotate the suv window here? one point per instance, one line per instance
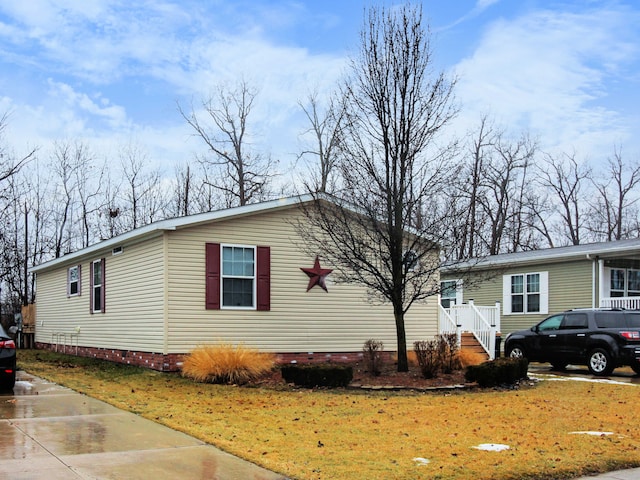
(633, 320)
(551, 323)
(609, 320)
(575, 321)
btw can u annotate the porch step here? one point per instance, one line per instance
(469, 343)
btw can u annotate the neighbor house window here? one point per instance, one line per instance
(625, 282)
(449, 293)
(237, 276)
(525, 293)
(97, 286)
(73, 281)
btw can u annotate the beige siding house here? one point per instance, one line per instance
(234, 276)
(532, 285)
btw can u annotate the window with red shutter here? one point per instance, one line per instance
(237, 277)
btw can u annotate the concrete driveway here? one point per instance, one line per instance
(51, 432)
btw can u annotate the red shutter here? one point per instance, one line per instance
(104, 283)
(263, 275)
(212, 281)
(91, 288)
(79, 280)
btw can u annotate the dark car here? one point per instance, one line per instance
(7, 361)
(601, 339)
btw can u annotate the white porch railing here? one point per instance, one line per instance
(483, 322)
(628, 303)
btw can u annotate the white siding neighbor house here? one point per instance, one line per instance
(235, 276)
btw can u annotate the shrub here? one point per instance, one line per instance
(226, 364)
(318, 375)
(427, 355)
(440, 354)
(372, 355)
(448, 346)
(502, 371)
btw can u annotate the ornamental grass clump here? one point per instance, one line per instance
(227, 364)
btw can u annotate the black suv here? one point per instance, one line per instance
(601, 339)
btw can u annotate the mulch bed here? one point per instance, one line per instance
(389, 378)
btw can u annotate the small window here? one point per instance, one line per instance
(117, 251)
(73, 281)
(238, 276)
(97, 286)
(617, 282)
(450, 293)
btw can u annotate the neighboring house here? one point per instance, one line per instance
(233, 276)
(532, 285)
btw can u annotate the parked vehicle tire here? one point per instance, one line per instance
(559, 365)
(636, 368)
(600, 362)
(516, 351)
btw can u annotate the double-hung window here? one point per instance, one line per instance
(238, 276)
(73, 281)
(525, 293)
(97, 286)
(625, 282)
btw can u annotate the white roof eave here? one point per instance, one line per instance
(157, 228)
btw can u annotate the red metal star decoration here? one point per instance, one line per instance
(317, 275)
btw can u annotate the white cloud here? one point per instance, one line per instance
(548, 72)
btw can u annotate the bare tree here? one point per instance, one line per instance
(143, 198)
(391, 166)
(324, 127)
(566, 179)
(614, 214)
(242, 175)
(64, 163)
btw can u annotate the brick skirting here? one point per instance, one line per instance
(172, 362)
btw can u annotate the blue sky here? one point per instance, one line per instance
(112, 72)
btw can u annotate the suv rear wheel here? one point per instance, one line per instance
(600, 362)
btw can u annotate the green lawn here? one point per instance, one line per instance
(346, 434)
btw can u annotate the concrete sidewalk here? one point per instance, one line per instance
(50, 432)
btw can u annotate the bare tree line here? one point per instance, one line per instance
(488, 193)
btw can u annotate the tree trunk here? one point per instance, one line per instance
(403, 362)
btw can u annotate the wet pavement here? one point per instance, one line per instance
(51, 432)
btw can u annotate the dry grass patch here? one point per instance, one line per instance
(226, 364)
(342, 434)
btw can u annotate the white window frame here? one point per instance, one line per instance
(543, 293)
(70, 282)
(97, 286)
(253, 278)
(459, 297)
(625, 292)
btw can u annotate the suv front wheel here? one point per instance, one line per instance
(600, 362)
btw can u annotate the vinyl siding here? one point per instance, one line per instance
(134, 288)
(299, 321)
(570, 286)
